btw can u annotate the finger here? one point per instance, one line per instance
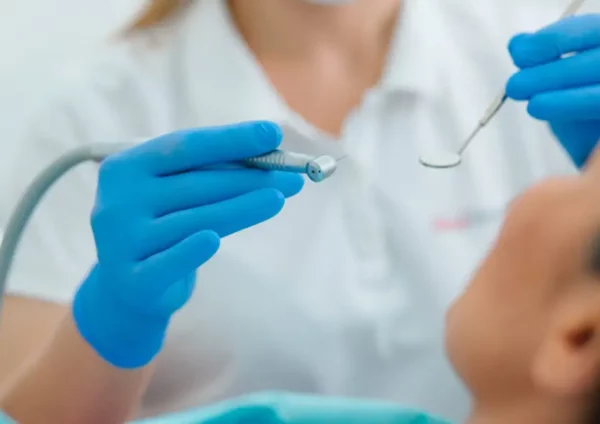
(573, 34)
(192, 149)
(198, 188)
(576, 71)
(576, 104)
(223, 218)
(176, 295)
(161, 271)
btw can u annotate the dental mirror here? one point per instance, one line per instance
(445, 159)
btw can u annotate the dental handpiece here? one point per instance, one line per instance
(316, 168)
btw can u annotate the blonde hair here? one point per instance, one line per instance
(157, 12)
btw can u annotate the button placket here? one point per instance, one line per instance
(364, 220)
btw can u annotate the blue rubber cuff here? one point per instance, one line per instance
(121, 336)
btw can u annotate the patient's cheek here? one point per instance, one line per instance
(453, 335)
(473, 335)
(467, 324)
(476, 325)
(486, 325)
(461, 336)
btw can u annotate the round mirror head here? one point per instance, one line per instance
(440, 160)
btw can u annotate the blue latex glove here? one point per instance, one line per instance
(564, 92)
(281, 408)
(159, 215)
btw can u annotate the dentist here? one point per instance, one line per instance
(337, 295)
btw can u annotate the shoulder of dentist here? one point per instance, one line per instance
(371, 254)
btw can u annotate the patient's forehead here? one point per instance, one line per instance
(552, 230)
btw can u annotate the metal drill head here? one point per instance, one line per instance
(321, 168)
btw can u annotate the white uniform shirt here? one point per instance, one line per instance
(344, 292)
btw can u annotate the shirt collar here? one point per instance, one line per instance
(220, 67)
(410, 67)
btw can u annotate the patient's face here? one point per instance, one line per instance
(497, 326)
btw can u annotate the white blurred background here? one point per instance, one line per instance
(34, 32)
(39, 35)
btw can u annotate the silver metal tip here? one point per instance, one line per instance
(321, 168)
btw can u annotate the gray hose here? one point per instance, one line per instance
(33, 196)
